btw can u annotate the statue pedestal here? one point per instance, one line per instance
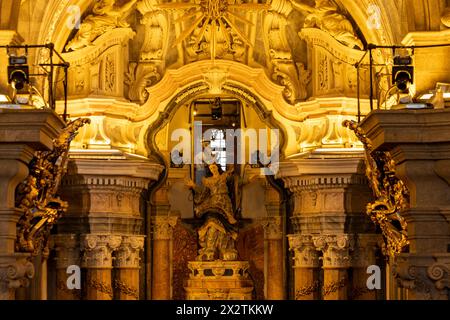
(219, 280)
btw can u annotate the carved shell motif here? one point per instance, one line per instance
(446, 17)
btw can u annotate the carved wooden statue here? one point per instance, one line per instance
(218, 233)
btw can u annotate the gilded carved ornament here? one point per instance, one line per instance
(325, 15)
(391, 193)
(105, 16)
(36, 196)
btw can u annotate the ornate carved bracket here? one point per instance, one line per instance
(391, 193)
(36, 196)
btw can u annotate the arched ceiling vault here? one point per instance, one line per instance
(49, 17)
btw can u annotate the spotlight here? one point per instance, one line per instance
(216, 109)
(403, 73)
(18, 72)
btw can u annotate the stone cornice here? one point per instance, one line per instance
(116, 168)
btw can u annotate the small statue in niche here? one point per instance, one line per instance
(218, 234)
(326, 17)
(105, 16)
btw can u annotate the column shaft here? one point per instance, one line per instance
(161, 272)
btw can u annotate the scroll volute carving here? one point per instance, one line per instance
(284, 70)
(150, 68)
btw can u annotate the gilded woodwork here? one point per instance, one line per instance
(36, 196)
(391, 193)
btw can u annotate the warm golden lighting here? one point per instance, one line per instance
(213, 17)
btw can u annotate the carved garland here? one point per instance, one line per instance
(391, 193)
(36, 195)
(126, 289)
(101, 287)
(326, 288)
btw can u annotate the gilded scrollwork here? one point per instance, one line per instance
(391, 193)
(36, 196)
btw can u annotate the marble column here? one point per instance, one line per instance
(306, 267)
(161, 272)
(336, 261)
(273, 236)
(97, 262)
(363, 257)
(67, 249)
(126, 283)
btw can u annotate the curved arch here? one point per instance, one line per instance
(198, 89)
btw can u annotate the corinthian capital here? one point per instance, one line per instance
(305, 253)
(335, 249)
(127, 256)
(98, 250)
(272, 228)
(163, 227)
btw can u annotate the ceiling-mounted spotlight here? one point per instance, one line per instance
(216, 109)
(18, 72)
(403, 73)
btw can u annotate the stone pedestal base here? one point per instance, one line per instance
(219, 280)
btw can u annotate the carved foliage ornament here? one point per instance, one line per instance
(391, 193)
(36, 195)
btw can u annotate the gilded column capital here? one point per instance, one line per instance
(305, 253)
(67, 248)
(128, 254)
(14, 273)
(273, 228)
(98, 250)
(163, 227)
